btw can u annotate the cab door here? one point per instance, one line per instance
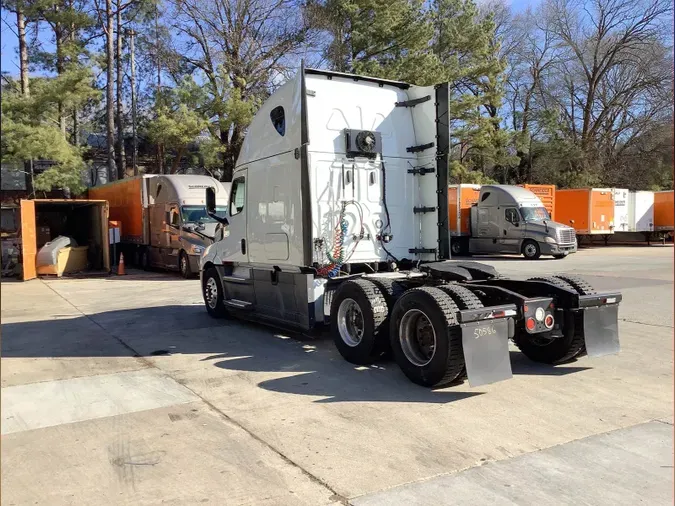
(171, 240)
(511, 230)
(235, 243)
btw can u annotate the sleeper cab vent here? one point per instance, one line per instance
(364, 143)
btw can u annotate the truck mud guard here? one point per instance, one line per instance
(485, 341)
(600, 314)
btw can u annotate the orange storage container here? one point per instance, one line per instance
(460, 199)
(125, 198)
(664, 211)
(590, 211)
(546, 193)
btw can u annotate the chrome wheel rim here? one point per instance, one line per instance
(183, 264)
(530, 250)
(417, 337)
(350, 322)
(211, 292)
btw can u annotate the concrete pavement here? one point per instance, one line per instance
(306, 421)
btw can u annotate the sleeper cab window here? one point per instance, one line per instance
(278, 117)
(485, 196)
(238, 197)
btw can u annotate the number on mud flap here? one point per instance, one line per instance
(485, 330)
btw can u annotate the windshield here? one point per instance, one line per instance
(534, 213)
(194, 214)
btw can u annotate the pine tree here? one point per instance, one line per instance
(465, 43)
(381, 38)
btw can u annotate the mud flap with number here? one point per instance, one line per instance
(486, 351)
(601, 330)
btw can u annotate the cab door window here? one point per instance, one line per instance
(511, 215)
(174, 217)
(238, 196)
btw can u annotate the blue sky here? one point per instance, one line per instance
(9, 61)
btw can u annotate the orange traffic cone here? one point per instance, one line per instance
(120, 266)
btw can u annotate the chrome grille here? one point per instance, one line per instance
(566, 236)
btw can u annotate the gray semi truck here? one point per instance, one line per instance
(512, 219)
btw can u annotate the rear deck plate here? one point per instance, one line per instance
(486, 351)
(601, 330)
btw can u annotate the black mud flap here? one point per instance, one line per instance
(486, 351)
(601, 330)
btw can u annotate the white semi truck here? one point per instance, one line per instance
(338, 216)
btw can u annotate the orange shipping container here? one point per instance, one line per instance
(546, 193)
(460, 199)
(125, 198)
(664, 211)
(590, 211)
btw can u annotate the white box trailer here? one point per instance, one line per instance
(641, 211)
(622, 199)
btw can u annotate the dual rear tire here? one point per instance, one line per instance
(371, 317)
(546, 349)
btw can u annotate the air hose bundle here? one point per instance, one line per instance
(339, 256)
(336, 259)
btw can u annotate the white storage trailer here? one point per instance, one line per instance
(641, 211)
(622, 200)
(338, 215)
(633, 215)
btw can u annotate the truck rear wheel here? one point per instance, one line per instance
(552, 350)
(425, 338)
(583, 288)
(391, 290)
(212, 290)
(358, 313)
(459, 246)
(463, 297)
(144, 259)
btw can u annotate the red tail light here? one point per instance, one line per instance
(530, 323)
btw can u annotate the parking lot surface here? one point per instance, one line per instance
(122, 390)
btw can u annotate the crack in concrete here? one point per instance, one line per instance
(645, 323)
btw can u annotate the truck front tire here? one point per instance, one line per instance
(184, 265)
(358, 314)
(531, 250)
(212, 290)
(425, 338)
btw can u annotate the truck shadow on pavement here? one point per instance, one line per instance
(312, 366)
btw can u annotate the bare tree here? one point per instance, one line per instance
(610, 34)
(242, 48)
(23, 49)
(121, 161)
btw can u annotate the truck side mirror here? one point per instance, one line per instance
(210, 200)
(211, 206)
(517, 224)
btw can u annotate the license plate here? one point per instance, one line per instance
(486, 351)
